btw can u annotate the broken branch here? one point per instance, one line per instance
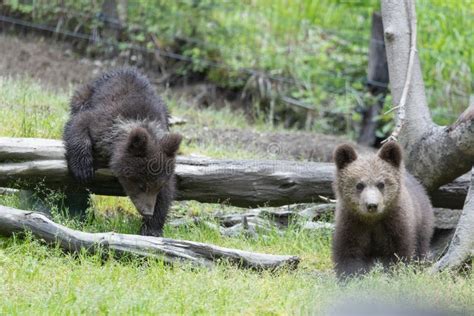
(170, 250)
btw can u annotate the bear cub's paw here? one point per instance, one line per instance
(147, 230)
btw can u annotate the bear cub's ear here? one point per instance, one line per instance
(138, 142)
(391, 152)
(344, 155)
(170, 143)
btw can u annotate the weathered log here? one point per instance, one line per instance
(170, 250)
(241, 183)
(258, 222)
(446, 218)
(176, 120)
(281, 216)
(245, 183)
(8, 191)
(30, 149)
(319, 225)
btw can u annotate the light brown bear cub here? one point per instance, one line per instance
(382, 215)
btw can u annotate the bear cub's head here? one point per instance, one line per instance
(368, 185)
(143, 164)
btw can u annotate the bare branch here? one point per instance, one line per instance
(170, 250)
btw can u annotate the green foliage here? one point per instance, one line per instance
(313, 51)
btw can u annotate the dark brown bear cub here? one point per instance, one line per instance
(382, 215)
(119, 120)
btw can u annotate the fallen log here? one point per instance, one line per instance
(244, 183)
(170, 250)
(8, 191)
(176, 120)
(258, 222)
(280, 216)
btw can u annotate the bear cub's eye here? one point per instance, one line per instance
(360, 186)
(380, 185)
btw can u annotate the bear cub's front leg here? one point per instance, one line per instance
(153, 225)
(78, 145)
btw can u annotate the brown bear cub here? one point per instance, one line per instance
(382, 214)
(119, 120)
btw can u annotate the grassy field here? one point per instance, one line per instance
(36, 279)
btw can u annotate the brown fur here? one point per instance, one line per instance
(383, 214)
(118, 119)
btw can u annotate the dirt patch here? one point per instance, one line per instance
(55, 65)
(304, 146)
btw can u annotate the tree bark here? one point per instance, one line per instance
(462, 243)
(111, 19)
(170, 250)
(377, 82)
(245, 183)
(434, 154)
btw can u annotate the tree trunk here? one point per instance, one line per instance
(462, 244)
(245, 183)
(112, 22)
(434, 154)
(170, 250)
(377, 82)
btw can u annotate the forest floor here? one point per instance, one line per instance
(36, 80)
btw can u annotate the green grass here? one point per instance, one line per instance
(36, 279)
(40, 280)
(30, 110)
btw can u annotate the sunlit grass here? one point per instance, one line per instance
(31, 110)
(42, 280)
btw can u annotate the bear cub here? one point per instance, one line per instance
(383, 214)
(119, 121)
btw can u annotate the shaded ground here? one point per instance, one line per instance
(281, 145)
(55, 65)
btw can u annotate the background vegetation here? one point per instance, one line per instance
(314, 52)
